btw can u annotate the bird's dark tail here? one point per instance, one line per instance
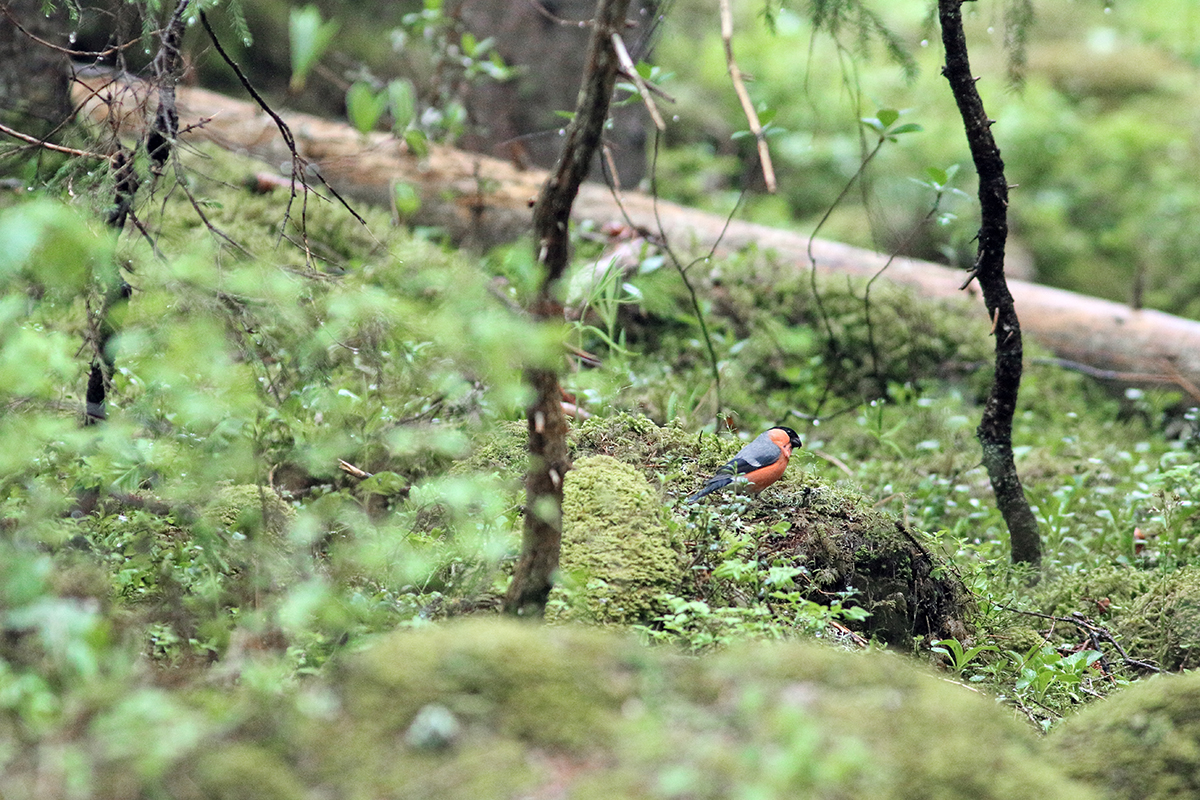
(717, 482)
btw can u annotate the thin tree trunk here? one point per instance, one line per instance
(548, 459)
(995, 429)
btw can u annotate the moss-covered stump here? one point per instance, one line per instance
(1142, 743)
(492, 709)
(615, 546)
(846, 547)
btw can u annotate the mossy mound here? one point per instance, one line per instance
(503, 450)
(616, 538)
(251, 511)
(659, 451)
(595, 715)
(493, 708)
(227, 774)
(1142, 743)
(615, 544)
(1155, 615)
(846, 545)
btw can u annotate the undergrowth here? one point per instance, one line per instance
(354, 382)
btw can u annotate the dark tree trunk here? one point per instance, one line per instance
(995, 429)
(34, 95)
(548, 459)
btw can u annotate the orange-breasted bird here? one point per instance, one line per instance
(759, 463)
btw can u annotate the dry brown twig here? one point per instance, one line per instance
(57, 148)
(739, 86)
(643, 89)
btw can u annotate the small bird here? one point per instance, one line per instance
(759, 463)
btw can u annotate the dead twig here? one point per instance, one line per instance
(57, 148)
(643, 89)
(739, 86)
(350, 469)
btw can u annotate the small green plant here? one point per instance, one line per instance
(310, 38)
(959, 659)
(1050, 679)
(365, 106)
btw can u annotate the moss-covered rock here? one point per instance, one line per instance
(1142, 743)
(239, 771)
(615, 544)
(596, 715)
(846, 545)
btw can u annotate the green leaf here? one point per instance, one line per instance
(908, 127)
(873, 124)
(364, 106)
(402, 103)
(887, 116)
(407, 201)
(417, 142)
(310, 38)
(938, 176)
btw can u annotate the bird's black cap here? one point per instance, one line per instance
(793, 437)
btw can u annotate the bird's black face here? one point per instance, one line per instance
(793, 437)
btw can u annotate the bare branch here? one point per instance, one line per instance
(739, 86)
(995, 428)
(57, 148)
(644, 90)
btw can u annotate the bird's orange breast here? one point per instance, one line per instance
(763, 477)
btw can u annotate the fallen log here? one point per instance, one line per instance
(483, 201)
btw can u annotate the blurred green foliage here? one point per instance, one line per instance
(311, 437)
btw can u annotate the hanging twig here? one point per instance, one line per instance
(739, 86)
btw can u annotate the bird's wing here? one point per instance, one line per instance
(759, 453)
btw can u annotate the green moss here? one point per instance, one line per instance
(239, 771)
(765, 721)
(1142, 743)
(503, 449)
(808, 721)
(250, 510)
(615, 543)
(1154, 614)
(511, 680)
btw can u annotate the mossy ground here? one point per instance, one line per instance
(387, 352)
(585, 713)
(1142, 743)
